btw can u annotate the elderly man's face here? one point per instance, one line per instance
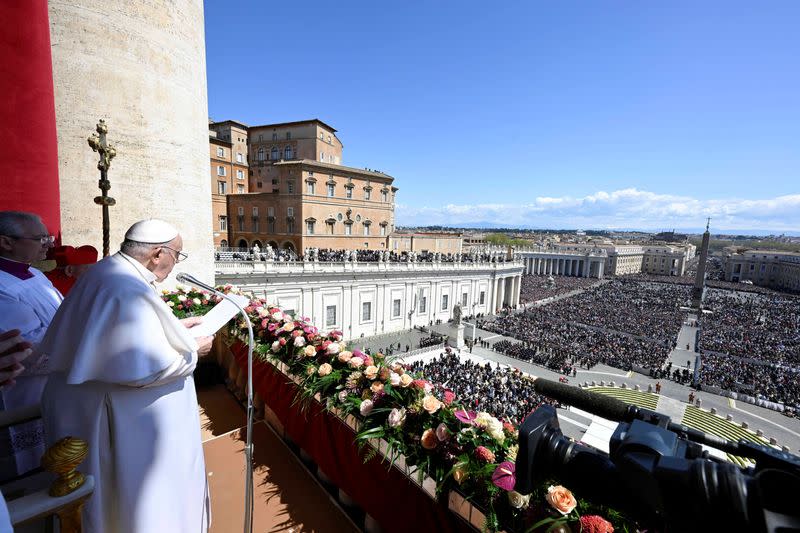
(166, 258)
(29, 245)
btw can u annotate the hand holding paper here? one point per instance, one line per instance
(219, 315)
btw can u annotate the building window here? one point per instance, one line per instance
(273, 154)
(310, 227)
(445, 298)
(261, 154)
(255, 223)
(239, 157)
(329, 139)
(290, 225)
(384, 196)
(240, 189)
(290, 212)
(290, 186)
(330, 315)
(223, 223)
(366, 311)
(396, 308)
(321, 156)
(331, 190)
(240, 174)
(348, 229)
(348, 192)
(367, 194)
(287, 152)
(482, 298)
(383, 230)
(310, 187)
(220, 171)
(255, 211)
(464, 298)
(222, 187)
(271, 225)
(220, 152)
(241, 222)
(288, 135)
(366, 230)
(423, 303)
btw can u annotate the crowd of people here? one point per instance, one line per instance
(763, 327)
(561, 346)
(502, 392)
(535, 288)
(650, 310)
(775, 383)
(328, 255)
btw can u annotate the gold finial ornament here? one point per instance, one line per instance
(62, 458)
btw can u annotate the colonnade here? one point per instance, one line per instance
(506, 291)
(550, 265)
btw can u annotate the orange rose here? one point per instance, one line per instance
(429, 439)
(561, 499)
(376, 386)
(406, 380)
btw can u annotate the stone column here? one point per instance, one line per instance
(143, 70)
(519, 290)
(502, 292)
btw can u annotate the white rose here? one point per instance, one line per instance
(333, 348)
(181, 298)
(366, 407)
(276, 346)
(517, 500)
(394, 379)
(171, 304)
(397, 417)
(299, 341)
(197, 301)
(277, 316)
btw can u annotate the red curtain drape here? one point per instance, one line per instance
(28, 155)
(386, 494)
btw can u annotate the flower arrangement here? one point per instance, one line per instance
(190, 302)
(420, 421)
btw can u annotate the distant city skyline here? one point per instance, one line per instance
(598, 115)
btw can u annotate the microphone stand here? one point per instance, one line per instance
(248, 449)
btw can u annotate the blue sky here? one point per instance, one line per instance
(543, 114)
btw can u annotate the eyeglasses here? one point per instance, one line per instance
(43, 239)
(179, 256)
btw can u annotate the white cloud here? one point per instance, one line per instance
(625, 208)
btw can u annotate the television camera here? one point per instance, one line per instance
(657, 472)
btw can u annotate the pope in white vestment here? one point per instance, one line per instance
(121, 378)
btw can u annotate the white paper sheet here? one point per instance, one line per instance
(219, 315)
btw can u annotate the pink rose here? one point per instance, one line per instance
(282, 341)
(366, 407)
(442, 433)
(334, 348)
(355, 362)
(345, 356)
(299, 342)
(325, 369)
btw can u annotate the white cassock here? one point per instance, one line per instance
(121, 378)
(27, 305)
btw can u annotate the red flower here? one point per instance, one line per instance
(282, 341)
(503, 476)
(596, 524)
(484, 454)
(508, 426)
(449, 396)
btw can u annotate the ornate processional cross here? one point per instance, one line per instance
(107, 152)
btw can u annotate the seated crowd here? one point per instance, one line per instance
(535, 288)
(502, 392)
(760, 327)
(768, 382)
(560, 345)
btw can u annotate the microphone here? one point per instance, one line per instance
(619, 411)
(183, 277)
(599, 404)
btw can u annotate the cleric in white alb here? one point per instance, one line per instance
(121, 378)
(28, 302)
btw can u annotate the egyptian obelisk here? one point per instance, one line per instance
(698, 291)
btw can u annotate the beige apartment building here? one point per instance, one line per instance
(227, 143)
(301, 196)
(768, 268)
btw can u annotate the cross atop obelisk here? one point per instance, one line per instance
(107, 152)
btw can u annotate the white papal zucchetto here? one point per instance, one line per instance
(151, 231)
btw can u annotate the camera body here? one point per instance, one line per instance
(662, 479)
